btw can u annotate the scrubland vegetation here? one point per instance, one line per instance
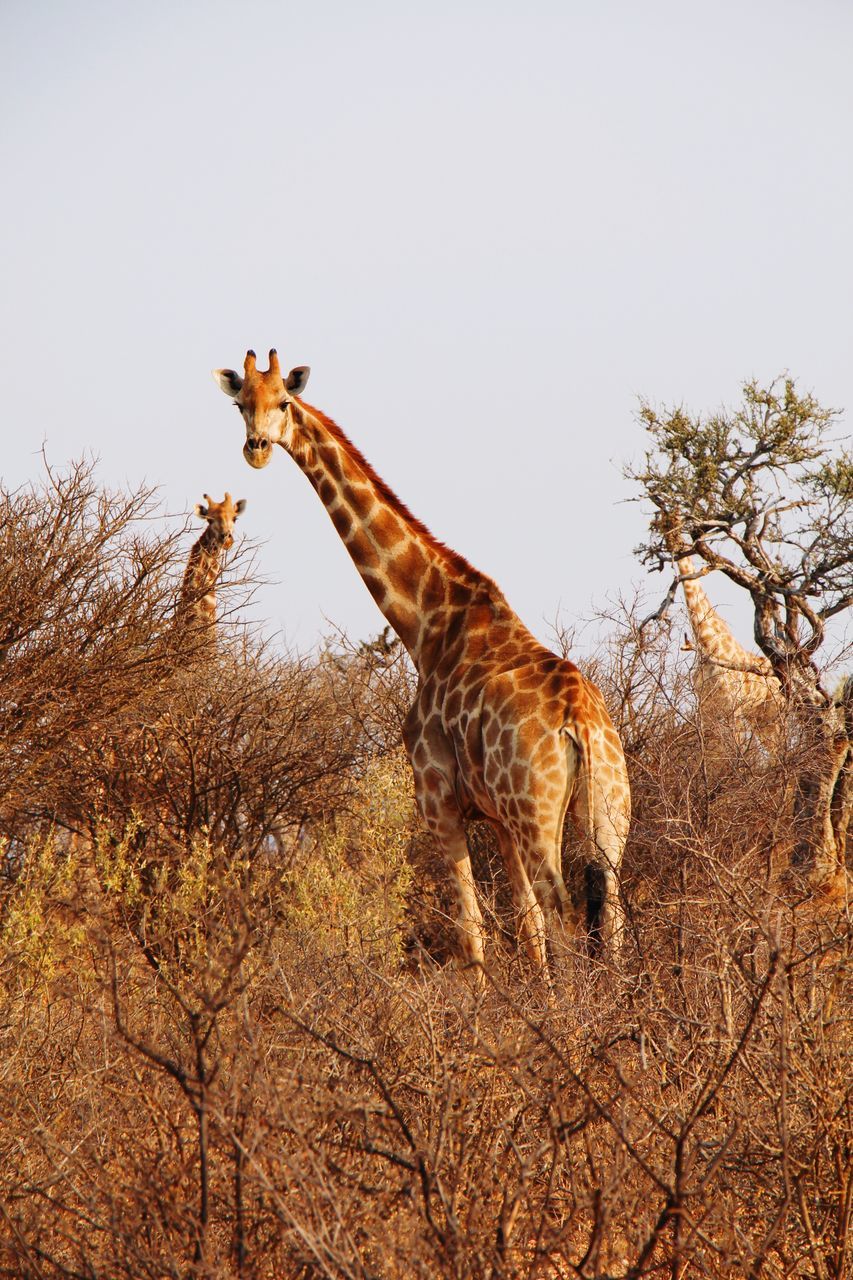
(232, 1041)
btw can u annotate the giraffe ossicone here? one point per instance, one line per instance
(501, 728)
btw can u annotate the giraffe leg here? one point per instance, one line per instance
(435, 772)
(469, 919)
(529, 782)
(531, 922)
(440, 812)
(543, 869)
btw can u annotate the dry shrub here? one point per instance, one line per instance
(251, 1105)
(218, 1059)
(85, 627)
(347, 889)
(246, 748)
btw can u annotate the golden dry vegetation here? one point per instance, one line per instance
(232, 1041)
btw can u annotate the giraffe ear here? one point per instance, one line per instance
(241, 506)
(297, 379)
(201, 510)
(229, 380)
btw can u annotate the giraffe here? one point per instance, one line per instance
(500, 728)
(735, 685)
(197, 602)
(195, 611)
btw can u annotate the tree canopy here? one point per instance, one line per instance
(764, 493)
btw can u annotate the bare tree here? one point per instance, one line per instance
(86, 594)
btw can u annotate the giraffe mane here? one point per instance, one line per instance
(451, 557)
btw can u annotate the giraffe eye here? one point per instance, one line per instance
(284, 404)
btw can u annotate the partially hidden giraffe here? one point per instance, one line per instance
(197, 601)
(501, 728)
(196, 607)
(735, 686)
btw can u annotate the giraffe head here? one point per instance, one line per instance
(670, 529)
(221, 517)
(264, 400)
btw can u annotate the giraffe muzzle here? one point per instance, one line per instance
(257, 451)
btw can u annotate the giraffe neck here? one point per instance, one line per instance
(198, 590)
(714, 640)
(417, 582)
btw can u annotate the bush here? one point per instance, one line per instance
(348, 889)
(217, 1057)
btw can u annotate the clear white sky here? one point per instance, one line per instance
(488, 228)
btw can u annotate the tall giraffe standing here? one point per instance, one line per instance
(735, 685)
(501, 728)
(197, 602)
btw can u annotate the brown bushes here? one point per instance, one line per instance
(265, 1101)
(229, 1045)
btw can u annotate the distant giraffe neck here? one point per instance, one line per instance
(416, 581)
(705, 622)
(714, 640)
(198, 590)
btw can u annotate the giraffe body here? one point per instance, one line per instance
(501, 728)
(197, 602)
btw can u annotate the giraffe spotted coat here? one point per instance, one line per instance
(501, 728)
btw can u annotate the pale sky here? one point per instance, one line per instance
(488, 228)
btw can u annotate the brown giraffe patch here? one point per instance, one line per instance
(387, 528)
(328, 493)
(361, 501)
(362, 548)
(343, 522)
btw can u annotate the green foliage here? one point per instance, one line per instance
(118, 864)
(728, 468)
(835, 477)
(196, 912)
(38, 929)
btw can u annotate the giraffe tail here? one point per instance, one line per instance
(582, 807)
(578, 734)
(599, 878)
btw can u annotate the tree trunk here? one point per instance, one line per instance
(823, 805)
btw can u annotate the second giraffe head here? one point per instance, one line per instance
(264, 400)
(221, 517)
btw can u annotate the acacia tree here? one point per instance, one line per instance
(764, 493)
